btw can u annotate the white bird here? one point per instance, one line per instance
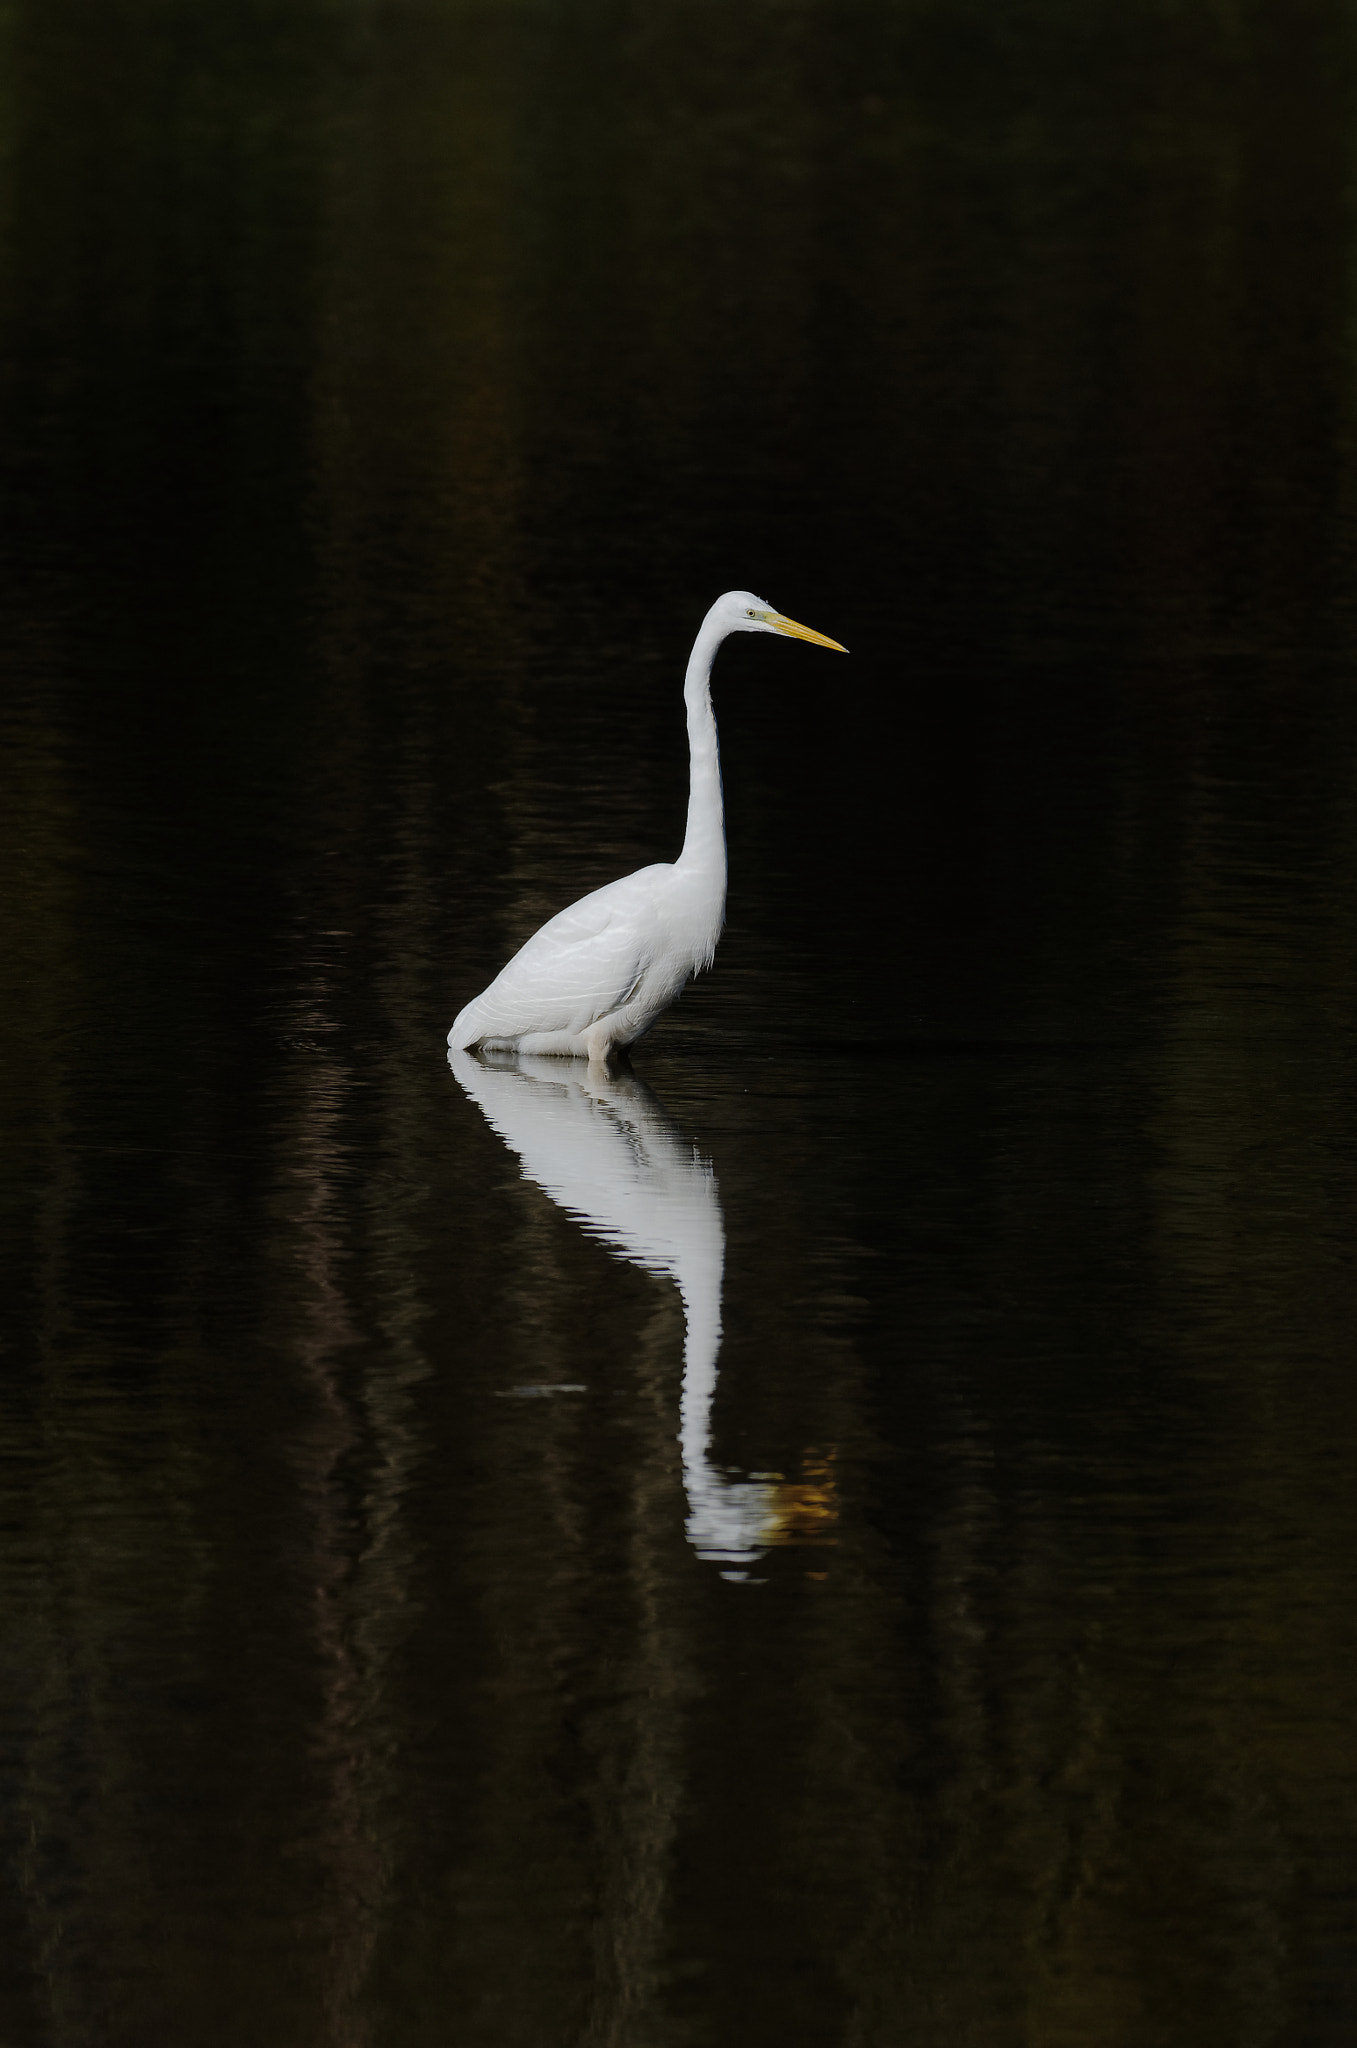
(596, 976)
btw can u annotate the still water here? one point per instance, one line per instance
(843, 1533)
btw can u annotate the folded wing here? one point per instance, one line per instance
(583, 964)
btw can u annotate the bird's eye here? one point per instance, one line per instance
(750, 612)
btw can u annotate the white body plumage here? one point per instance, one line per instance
(597, 975)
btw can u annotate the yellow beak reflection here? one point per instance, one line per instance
(802, 632)
(804, 1511)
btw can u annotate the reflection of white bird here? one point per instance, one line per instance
(596, 976)
(602, 1147)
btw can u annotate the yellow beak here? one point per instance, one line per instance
(796, 632)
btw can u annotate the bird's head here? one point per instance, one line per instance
(739, 611)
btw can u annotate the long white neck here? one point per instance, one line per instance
(704, 843)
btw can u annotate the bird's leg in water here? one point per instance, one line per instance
(599, 1044)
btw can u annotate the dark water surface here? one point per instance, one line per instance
(846, 1534)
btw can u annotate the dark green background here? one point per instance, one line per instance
(387, 390)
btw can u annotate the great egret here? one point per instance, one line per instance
(596, 976)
